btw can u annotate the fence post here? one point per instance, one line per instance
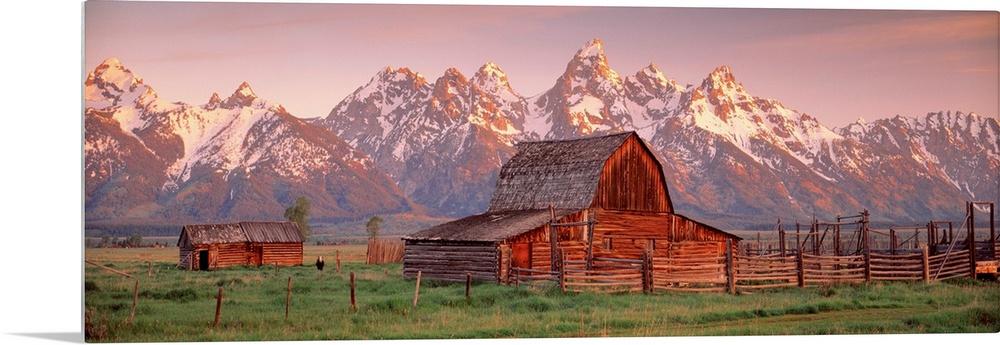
(781, 236)
(645, 270)
(893, 242)
(562, 270)
(416, 291)
(135, 299)
(218, 308)
(338, 261)
(868, 249)
(468, 285)
(649, 271)
(149, 270)
(972, 240)
(801, 267)
(730, 269)
(288, 297)
(354, 302)
(926, 267)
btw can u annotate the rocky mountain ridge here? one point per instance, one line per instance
(732, 159)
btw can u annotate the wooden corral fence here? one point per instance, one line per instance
(766, 272)
(695, 267)
(531, 277)
(824, 269)
(762, 272)
(607, 274)
(382, 251)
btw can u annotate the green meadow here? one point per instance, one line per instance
(180, 305)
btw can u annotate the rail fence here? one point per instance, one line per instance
(708, 271)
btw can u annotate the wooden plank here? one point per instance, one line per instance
(791, 276)
(690, 289)
(764, 286)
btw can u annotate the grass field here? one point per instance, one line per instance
(179, 305)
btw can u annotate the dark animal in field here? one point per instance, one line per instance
(320, 263)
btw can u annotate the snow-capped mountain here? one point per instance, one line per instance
(236, 158)
(731, 157)
(588, 98)
(443, 141)
(963, 149)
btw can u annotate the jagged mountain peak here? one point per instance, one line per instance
(491, 68)
(453, 73)
(214, 99)
(652, 75)
(721, 80)
(109, 83)
(242, 97)
(493, 80)
(593, 48)
(389, 74)
(452, 83)
(590, 63)
(112, 72)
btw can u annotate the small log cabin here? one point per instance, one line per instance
(209, 246)
(606, 196)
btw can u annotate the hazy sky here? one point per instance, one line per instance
(836, 65)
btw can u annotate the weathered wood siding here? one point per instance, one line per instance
(444, 260)
(227, 254)
(284, 254)
(632, 179)
(628, 233)
(238, 254)
(572, 240)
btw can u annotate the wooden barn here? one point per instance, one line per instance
(606, 197)
(209, 246)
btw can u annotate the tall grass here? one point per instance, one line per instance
(179, 305)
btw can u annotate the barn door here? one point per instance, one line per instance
(521, 255)
(203, 260)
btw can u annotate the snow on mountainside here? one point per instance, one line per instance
(964, 149)
(440, 141)
(231, 159)
(732, 158)
(587, 99)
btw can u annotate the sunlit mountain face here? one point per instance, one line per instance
(404, 141)
(236, 158)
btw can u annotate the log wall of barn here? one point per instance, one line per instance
(284, 254)
(573, 241)
(451, 260)
(624, 235)
(227, 254)
(632, 180)
(237, 254)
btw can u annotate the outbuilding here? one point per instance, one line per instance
(209, 246)
(604, 197)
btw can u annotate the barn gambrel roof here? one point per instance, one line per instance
(560, 173)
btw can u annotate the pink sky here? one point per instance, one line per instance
(836, 65)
